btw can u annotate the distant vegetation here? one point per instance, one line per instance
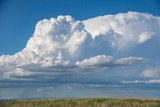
(83, 102)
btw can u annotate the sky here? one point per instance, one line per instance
(76, 48)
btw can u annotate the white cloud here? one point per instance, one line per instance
(108, 61)
(145, 36)
(97, 61)
(59, 61)
(124, 30)
(62, 42)
(78, 41)
(151, 72)
(130, 60)
(154, 81)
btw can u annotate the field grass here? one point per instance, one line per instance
(83, 102)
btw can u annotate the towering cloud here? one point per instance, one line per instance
(63, 43)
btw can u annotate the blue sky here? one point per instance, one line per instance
(79, 46)
(18, 18)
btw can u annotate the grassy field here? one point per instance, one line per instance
(84, 102)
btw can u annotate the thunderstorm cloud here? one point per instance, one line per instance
(63, 43)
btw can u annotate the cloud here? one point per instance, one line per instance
(108, 61)
(151, 72)
(142, 81)
(130, 60)
(145, 36)
(124, 30)
(62, 43)
(97, 61)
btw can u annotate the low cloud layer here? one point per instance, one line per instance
(153, 81)
(108, 61)
(66, 44)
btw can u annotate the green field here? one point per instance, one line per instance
(84, 102)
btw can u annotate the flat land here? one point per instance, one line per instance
(83, 102)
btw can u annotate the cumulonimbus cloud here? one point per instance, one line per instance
(65, 43)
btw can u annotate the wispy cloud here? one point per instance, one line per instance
(153, 81)
(151, 72)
